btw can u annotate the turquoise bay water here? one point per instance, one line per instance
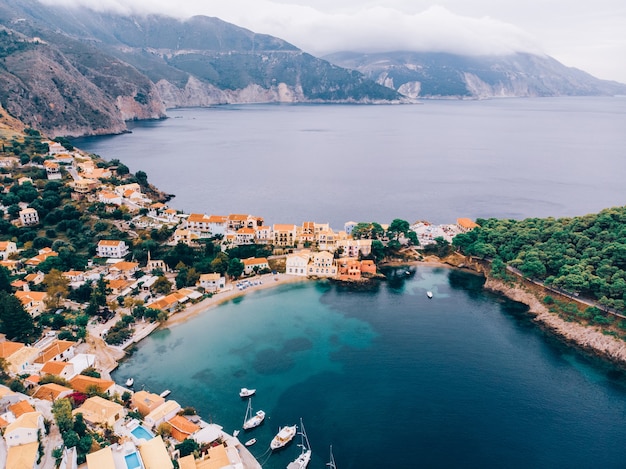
(393, 379)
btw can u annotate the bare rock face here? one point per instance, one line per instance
(587, 338)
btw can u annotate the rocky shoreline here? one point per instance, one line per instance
(586, 338)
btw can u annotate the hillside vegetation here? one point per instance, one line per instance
(583, 255)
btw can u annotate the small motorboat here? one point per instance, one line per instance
(165, 393)
(245, 392)
(236, 433)
(429, 294)
(130, 382)
(250, 442)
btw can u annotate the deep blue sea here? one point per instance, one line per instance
(387, 376)
(509, 158)
(392, 379)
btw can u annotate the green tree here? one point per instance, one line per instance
(162, 285)
(15, 322)
(187, 447)
(235, 268)
(5, 279)
(398, 227)
(62, 411)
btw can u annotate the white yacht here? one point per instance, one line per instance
(283, 437)
(245, 392)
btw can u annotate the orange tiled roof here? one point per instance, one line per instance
(53, 368)
(50, 391)
(8, 348)
(20, 408)
(217, 219)
(55, 348)
(30, 296)
(237, 217)
(183, 425)
(284, 227)
(254, 261)
(109, 242)
(82, 383)
(197, 217)
(466, 223)
(125, 265)
(245, 231)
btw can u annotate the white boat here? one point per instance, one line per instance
(245, 392)
(130, 382)
(429, 294)
(236, 433)
(283, 437)
(250, 442)
(165, 393)
(302, 461)
(331, 464)
(251, 420)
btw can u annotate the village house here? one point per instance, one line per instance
(284, 235)
(6, 249)
(109, 198)
(19, 357)
(44, 254)
(306, 234)
(255, 265)
(296, 263)
(24, 430)
(145, 402)
(112, 248)
(182, 428)
(354, 247)
(11, 265)
(52, 391)
(24, 180)
(185, 236)
(29, 216)
(163, 413)
(263, 234)
(212, 282)
(154, 454)
(75, 278)
(322, 264)
(349, 226)
(53, 170)
(32, 301)
(36, 278)
(124, 270)
(20, 408)
(235, 222)
(245, 236)
(98, 411)
(55, 148)
(85, 185)
(352, 269)
(465, 224)
(199, 224)
(85, 384)
(326, 240)
(118, 285)
(58, 350)
(63, 370)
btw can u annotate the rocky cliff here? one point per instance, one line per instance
(435, 75)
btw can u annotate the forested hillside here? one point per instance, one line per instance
(584, 255)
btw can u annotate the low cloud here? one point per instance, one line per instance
(373, 28)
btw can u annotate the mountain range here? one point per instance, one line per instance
(73, 71)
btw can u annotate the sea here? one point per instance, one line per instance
(387, 376)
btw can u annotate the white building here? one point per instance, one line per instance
(212, 282)
(112, 248)
(322, 264)
(29, 216)
(297, 262)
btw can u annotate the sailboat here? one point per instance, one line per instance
(302, 461)
(331, 464)
(251, 421)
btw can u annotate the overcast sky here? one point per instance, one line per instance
(579, 33)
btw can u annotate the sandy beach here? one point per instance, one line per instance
(267, 281)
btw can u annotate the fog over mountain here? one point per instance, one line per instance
(586, 35)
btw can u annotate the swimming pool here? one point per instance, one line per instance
(141, 432)
(132, 460)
